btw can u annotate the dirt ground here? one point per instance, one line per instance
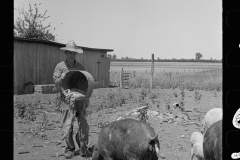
(33, 143)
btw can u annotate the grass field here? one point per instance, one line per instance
(203, 76)
(164, 66)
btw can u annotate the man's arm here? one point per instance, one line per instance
(57, 75)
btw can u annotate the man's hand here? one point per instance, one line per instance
(63, 75)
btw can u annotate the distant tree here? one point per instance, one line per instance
(114, 56)
(109, 56)
(198, 56)
(29, 24)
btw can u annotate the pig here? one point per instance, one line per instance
(212, 116)
(197, 146)
(236, 119)
(127, 139)
(212, 142)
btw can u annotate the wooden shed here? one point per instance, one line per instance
(35, 61)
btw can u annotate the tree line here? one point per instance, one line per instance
(198, 57)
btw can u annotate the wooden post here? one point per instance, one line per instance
(121, 78)
(152, 73)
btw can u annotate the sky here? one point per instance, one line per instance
(138, 28)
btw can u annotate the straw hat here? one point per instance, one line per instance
(71, 46)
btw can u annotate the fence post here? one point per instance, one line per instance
(152, 73)
(121, 78)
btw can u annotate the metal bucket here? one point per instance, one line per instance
(81, 80)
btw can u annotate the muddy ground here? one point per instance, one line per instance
(42, 138)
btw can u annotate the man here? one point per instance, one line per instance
(60, 71)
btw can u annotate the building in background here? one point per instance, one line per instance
(35, 60)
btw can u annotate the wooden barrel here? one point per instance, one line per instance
(81, 80)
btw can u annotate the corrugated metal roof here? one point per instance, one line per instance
(60, 44)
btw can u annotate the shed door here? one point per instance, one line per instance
(103, 69)
(97, 64)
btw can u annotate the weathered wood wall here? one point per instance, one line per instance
(35, 61)
(101, 67)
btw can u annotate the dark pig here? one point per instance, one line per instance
(127, 139)
(212, 142)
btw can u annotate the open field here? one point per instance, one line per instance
(165, 66)
(38, 133)
(37, 121)
(203, 79)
